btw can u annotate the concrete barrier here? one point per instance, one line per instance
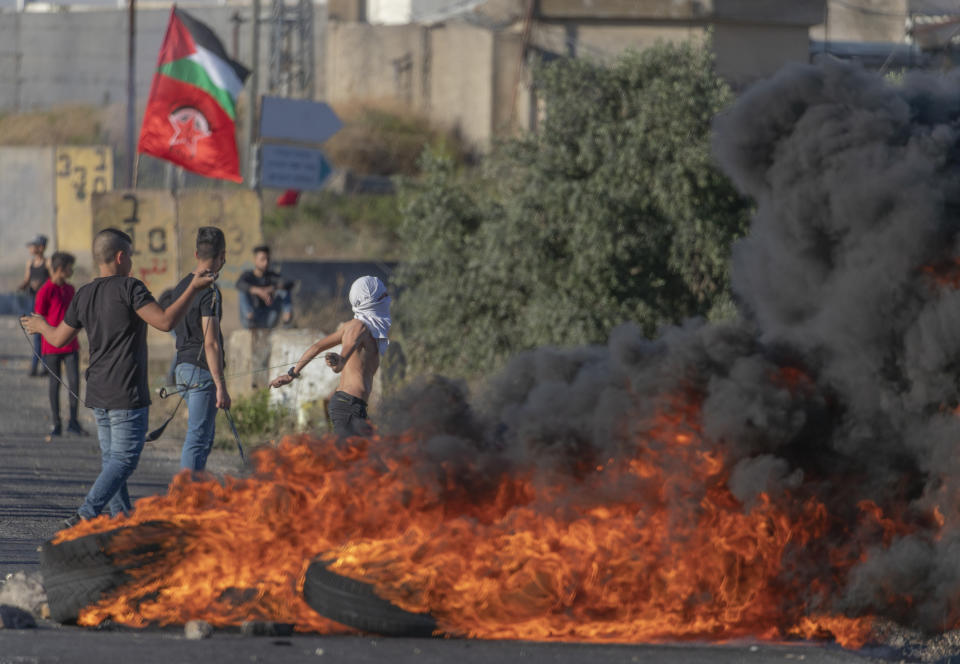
(80, 173)
(258, 356)
(26, 206)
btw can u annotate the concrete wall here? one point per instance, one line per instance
(55, 58)
(805, 12)
(603, 42)
(451, 73)
(863, 21)
(467, 75)
(251, 352)
(511, 95)
(26, 206)
(375, 62)
(81, 172)
(462, 80)
(746, 52)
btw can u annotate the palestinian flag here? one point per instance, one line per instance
(192, 109)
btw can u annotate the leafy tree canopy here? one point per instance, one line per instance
(612, 211)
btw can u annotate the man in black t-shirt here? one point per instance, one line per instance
(115, 309)
(263, 297)
(200, 359)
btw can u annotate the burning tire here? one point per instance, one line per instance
(355, 604)
(77, 573)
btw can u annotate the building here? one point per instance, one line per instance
(464, 63)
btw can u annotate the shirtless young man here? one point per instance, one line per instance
(363, 340)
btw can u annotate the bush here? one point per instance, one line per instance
(613, 212)
(328, 225)
(383, 139)
(257, 420)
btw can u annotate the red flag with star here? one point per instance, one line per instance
(190, 118)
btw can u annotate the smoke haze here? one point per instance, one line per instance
(839, 380)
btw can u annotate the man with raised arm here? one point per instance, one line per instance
(200, 359)
(115, 309)
(362, 341)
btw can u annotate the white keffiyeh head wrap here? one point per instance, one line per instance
(371, 304)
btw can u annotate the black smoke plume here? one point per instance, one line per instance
(838, 381)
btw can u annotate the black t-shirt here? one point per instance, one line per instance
(38, 275)
(107, 308)
(190, 330)
(269, 278)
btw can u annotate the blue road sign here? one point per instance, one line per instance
(291, 167)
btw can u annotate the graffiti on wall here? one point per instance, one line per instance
(80, 173)
(149, 218)
(164, 229)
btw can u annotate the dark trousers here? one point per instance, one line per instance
(72, 363)
(348, 415)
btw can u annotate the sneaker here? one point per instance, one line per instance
(56, 430)
(75, 428)
(71, 521)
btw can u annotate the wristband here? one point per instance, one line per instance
(292, 372)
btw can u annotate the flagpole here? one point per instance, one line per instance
(254, 93)
(136, 171)
(132, 160)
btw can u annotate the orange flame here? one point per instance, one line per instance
(944, 273)
(672, 555)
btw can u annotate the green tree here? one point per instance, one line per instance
(613, 211)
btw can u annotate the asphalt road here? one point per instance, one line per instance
(43, 481)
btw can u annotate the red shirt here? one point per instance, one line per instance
(51, 303)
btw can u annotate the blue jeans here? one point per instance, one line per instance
(25, 302)
(122, 434)
(263, 316)
(35, 360)
(171, 377)
(201, 419)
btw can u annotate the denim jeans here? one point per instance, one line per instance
(263, 317)
(171, 377)
(35, 359)
(201, 419)
(122, 434)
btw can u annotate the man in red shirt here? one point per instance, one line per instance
(52, 301)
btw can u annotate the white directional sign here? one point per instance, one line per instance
(291, 167)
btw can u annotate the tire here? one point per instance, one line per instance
(355, 604)
(78, 573)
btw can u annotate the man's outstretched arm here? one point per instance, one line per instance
(167, 319)
(326, 343)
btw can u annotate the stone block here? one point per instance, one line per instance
(197, 629)
(258, 356)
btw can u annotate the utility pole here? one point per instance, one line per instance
(237, 21)
(254, 94)
(291, 50)
(131, 93)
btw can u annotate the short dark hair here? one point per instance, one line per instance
(61, 260)
(210, 242)
(107, 243)
(261, 247)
